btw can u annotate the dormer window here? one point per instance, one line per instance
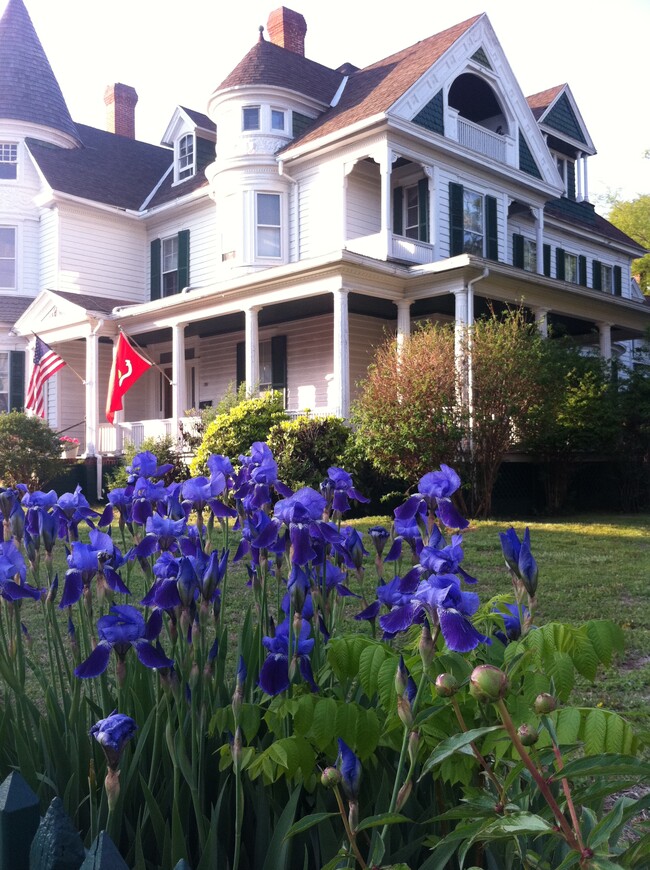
(186, 165)
(251, 118)
(8, 161)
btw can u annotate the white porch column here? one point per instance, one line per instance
(252, 348)
(403, 323)
(178, 376)
(605, 332)
(539, 239)
(585, 185)
(341, 351)
(430, 173)
(460, 335)
(92, 399)
(385, 166)
(541, 321)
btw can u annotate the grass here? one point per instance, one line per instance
(590, 567)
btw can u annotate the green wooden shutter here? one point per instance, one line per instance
(16, 380)
(491, 231)
(398, 211)
(571, 179)
(559, 264)
(155, 269)
(582, 270)
(423, 209)
(279, 362)
(241, 363)
(456, 230)
(597, 273)
(518, 250)
(618, 281)
(546, 252)
(183, 259)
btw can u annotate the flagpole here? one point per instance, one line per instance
(146, 356)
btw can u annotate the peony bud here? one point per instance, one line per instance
(330, 777)
(544, 703)
(528, 736)
(488, 683)
(446, 685)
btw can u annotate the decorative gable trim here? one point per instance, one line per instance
(432, 116)
(562, 118)
(481, 57)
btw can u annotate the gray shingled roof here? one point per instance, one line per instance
(115, 170)
(11, 307)
(28, 89)
(94, 304)
(270, 64)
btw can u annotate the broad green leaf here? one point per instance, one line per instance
(370, 662)
(454, 744)
(595, 732)
(517, 824)
(607, 765)
(567, 725)
(308, 822)
(382, 819)
(278, 849)
(323, 728)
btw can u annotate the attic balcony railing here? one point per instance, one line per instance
(479, 139)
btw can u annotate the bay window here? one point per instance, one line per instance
(7, 258)
(268, 242)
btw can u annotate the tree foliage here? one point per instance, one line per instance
(406, 416)
(29, 450)
(306, 447)
(633, 218)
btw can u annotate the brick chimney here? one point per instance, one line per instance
(120, 103)
(287, 29)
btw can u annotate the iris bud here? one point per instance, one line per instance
(446, 685)
(426, 647)
(528, 736)
(544, 703)
(488, 683)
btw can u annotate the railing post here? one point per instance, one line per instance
(103, 855)
(19, 820)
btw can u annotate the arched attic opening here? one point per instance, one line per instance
(474, 99)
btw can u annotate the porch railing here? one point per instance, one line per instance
(479, 139)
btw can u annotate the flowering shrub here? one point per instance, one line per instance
(273, 735)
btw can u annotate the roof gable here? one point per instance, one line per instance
(557, 113)
(29, 90)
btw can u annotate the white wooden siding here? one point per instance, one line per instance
(366, 335)
(363, 205)
(101, 255)
(201, 223)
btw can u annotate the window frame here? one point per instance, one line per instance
(468, 230)
(283, 115)
(9, 150)
(9, 258)
(247, 111)
(268, 228)
(185, 158)
(529, 253)
(169, 270)
(607, 286)
(571, 272)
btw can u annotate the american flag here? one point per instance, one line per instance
(46, 364)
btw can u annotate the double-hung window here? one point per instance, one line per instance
(472, 223)
(272, 364)
(7, 258)
(186, 157)
(8, 161)
(170, 264)
(277, 119)
(607, 278)
(268, 241)
(524, 253)
(251, 118)
(411, 211)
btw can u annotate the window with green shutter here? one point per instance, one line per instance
(473, 227)
(546, 253)
(582, 270)
(272, 362)
(170, 265)
(597, 275)
(618, 281)
(518, 250)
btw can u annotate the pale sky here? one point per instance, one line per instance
(175, 52)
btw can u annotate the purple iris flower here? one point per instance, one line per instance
(343, 489)
(12, 566)
(379, 535)
(511, 621)
(440, 599)
(112, 734)
(109, 560)
(121, 499)
(351, 549)
(447, 559)
(274, 674)
(438, 487)
(349, 766)
(303, 506)
(124, 627)
(162, 534)
(519, 558)
(71, 508)
(212, 573)
(83, 567)
(145, 464)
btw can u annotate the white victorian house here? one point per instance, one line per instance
(277, 238)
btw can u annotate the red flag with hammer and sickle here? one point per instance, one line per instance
(127, 367)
